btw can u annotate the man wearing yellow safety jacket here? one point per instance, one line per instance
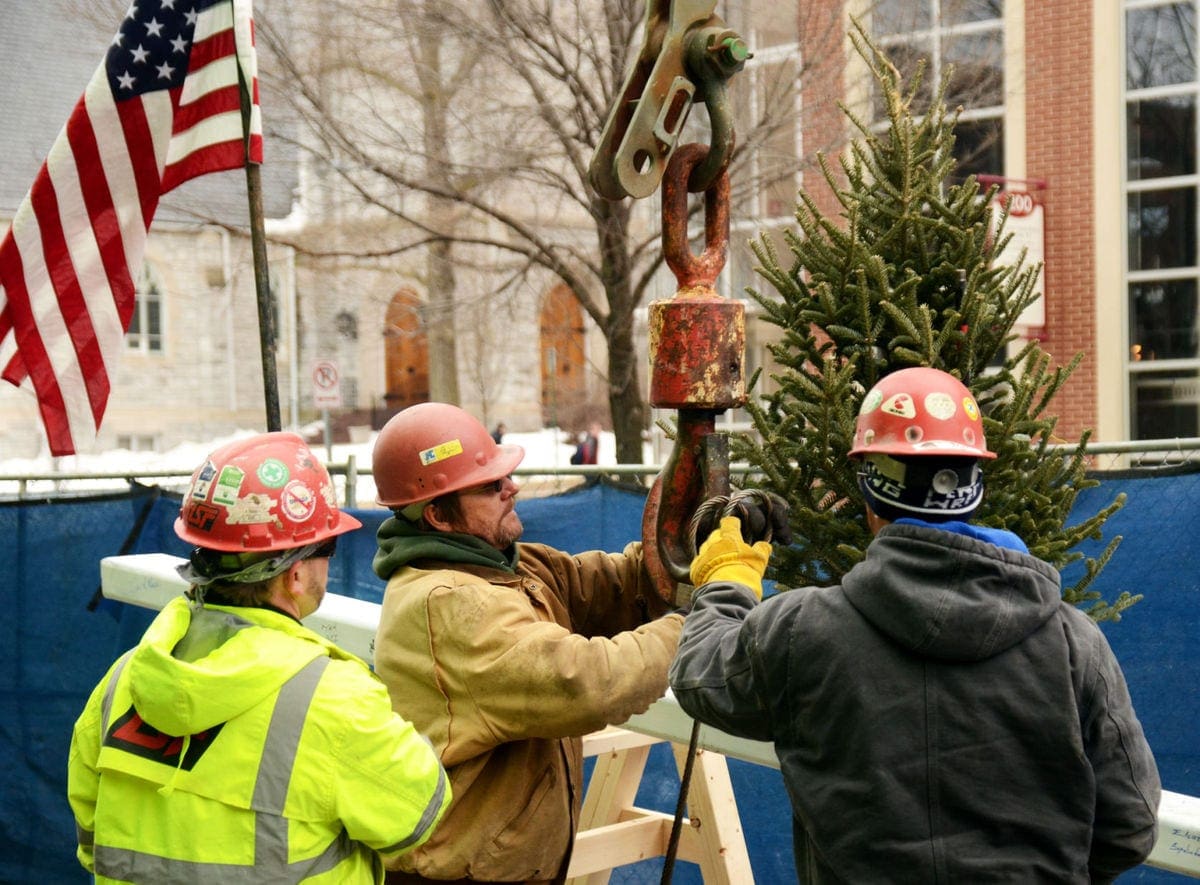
(233, 744)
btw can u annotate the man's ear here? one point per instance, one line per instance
(874, 521)
(433, 516)
(293, 579)
(286, 587)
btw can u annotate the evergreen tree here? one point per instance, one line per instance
(906, 276)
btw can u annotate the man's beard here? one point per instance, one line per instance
(508, 532)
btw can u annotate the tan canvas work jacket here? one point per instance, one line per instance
(504, 672)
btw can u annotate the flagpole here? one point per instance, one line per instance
(258, 245)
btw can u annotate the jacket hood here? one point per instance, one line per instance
(949, 596)
(402, 542)
(198, 666)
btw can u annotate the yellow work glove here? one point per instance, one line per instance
(725, 556)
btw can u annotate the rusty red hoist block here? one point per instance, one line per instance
(697, 338)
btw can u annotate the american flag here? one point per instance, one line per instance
(163, 108)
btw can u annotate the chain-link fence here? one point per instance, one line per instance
(1140, 456)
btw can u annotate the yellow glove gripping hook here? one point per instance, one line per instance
(687, 53)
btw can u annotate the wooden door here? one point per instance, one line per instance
(564, 380)
(406, 352)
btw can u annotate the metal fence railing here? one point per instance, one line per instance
(356, 485)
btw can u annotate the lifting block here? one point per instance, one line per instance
(614, 832)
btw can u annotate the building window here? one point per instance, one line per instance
(145, 326)
(966, 39)
(766, 102)
(137, 442)
(1161, 181)
(346, 325)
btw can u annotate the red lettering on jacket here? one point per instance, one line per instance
(133, 734)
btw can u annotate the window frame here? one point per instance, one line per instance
(1177, 372)
(145, 333)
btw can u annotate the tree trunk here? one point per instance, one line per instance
(625, 392)
(440, 277)
(625, 402)
(439, 315)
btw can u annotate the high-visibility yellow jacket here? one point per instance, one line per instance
(235, 745)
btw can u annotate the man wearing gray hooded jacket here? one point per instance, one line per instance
(941, 715)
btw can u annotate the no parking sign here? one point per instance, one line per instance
(327, 385)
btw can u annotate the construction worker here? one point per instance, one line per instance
(941, 715)
(504, 654)
(233, 744)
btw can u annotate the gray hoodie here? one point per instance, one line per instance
(941, 716)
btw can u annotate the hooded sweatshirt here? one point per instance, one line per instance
(941, 716)
(234, 744)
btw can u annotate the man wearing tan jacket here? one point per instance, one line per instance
(503, 654)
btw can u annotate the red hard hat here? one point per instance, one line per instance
(920, 411)
(432, 449)
(262, 493)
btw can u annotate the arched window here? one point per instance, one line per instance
(145, 325)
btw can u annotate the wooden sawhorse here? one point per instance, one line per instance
(614, 832)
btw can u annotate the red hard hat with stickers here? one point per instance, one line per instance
(432, 449)
(919, 437)
(920, 411)
(264, 493)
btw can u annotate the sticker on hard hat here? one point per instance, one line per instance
(229, 483)
(940, 405)
(871, 403)
(252, 509)
(900, 404)
(204, 481)
(202, 516)
(273, 473)
(970, 408)
(441, 452)
(297, 501)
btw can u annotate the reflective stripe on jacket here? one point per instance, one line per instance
(291, 766)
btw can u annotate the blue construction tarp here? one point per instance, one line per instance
(59, 636)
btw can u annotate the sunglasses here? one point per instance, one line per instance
(326, 550)
(488, 488)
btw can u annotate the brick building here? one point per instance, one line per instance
(1091, 108)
